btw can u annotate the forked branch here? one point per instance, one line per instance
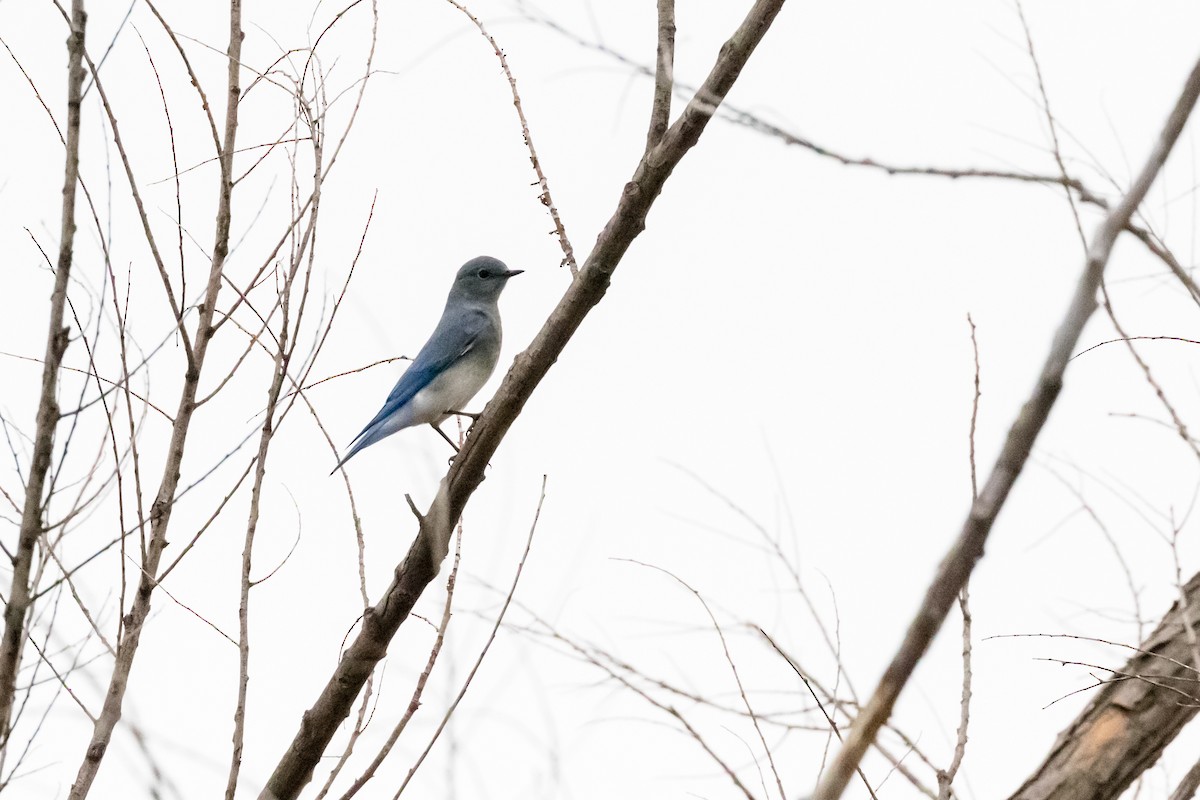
(164, 502)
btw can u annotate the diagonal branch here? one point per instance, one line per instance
(740, 116)
(1187, 787)
(560, 230)
(1128, 723)
(431, 544)
(956, 568)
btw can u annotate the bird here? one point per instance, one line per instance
(454, 364)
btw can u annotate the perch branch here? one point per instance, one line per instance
(431, 544)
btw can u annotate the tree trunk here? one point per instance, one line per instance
(1131, 719)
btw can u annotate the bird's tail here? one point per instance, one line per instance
(369, 436)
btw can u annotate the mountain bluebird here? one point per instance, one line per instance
(456, 361)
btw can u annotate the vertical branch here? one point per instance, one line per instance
(664, 74)
(283, 354)
(956, 568)
(974, 415)
(260, 470)
(160, 511)
(946, 777)
(48, 415)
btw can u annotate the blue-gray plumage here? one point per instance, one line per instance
(454, 364)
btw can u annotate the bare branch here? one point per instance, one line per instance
(1052, 124)
(546, 200)
(1131, 719)
(737, 679)
(1187, 787)
(946, 777)
(956, 568)
(592, 658)
(419, 689)
(664, 74)
(508, 598)
(431, 544)
(833, 726)
(18, 604)
(282, 359)
(161, 510)
(740, 116)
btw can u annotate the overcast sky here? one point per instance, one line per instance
(788, 331)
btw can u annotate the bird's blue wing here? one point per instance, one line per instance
(455, 336)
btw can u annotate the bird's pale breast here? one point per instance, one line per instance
(455, 387)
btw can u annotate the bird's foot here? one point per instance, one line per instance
(449, 441)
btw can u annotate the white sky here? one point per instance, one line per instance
(790, 330)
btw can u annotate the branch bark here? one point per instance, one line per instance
(282, 356)
(19, 598)
(956, 567)
(1130, 721)
(664, 74)
(431, 544)
(160, 512)
(1187, 787)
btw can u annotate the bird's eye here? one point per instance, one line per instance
(483, 273)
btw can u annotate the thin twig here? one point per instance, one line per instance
(537, 514)
(1111, 540)
(833, 726)
(670, 710)
(419, 689)
(740, 116)
(946, 777)
(737, 679)
(161, 511)
(956, 568)
(281, 362)
(1137, 712)
(431, 544)
(559, 230)
(1055, 147)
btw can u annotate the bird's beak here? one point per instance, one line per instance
(510, 273)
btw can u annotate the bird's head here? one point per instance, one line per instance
(482, 278)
